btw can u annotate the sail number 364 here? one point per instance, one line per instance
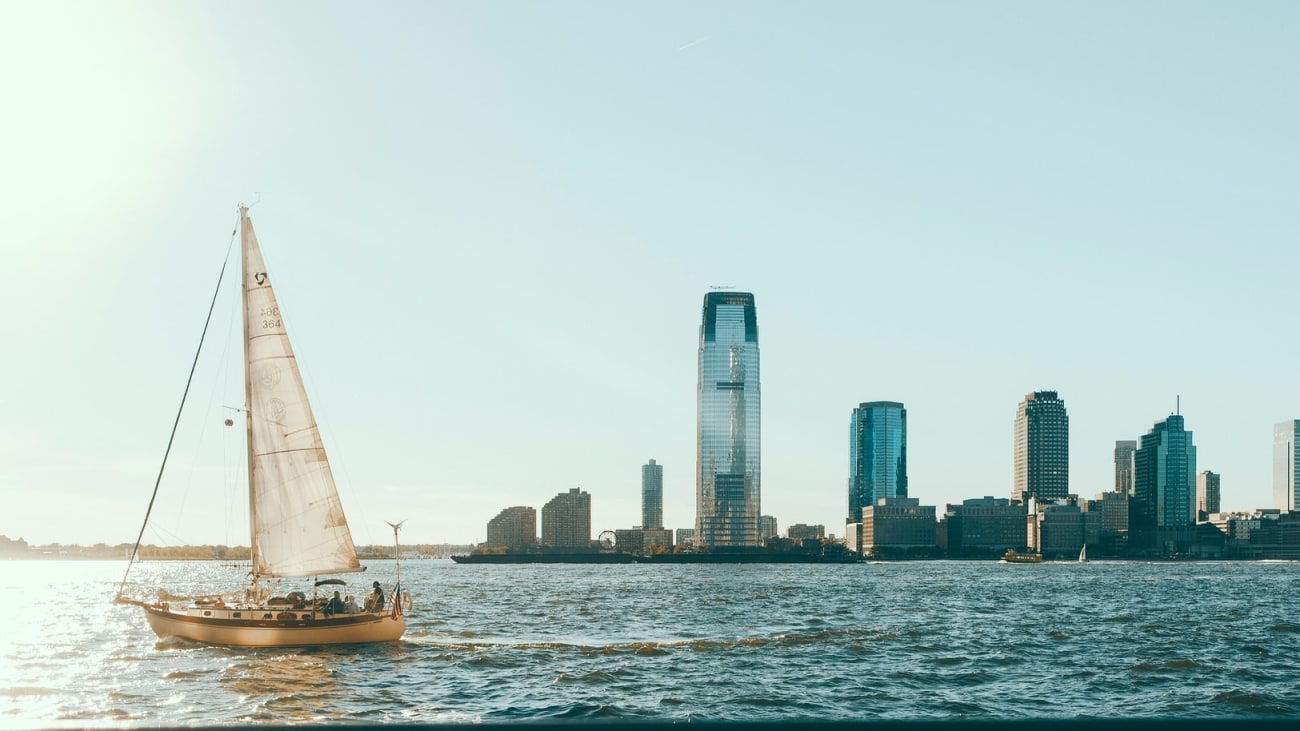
(270, 317)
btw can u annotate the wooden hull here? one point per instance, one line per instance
(263, 627)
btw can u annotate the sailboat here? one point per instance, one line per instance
(298, 528)
(1083, 554)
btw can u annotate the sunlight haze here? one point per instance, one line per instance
(493, 225)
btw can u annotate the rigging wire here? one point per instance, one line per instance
(188, 381)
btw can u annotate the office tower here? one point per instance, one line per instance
(652, 495)
(877, 454)
(767, 527)
(513, 528)
(728, 477)
(1124, 450)
(566, 520)
(1163, 508)
(1042, 444)
(1207, 494)
(1286, 466)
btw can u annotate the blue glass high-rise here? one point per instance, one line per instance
(877, 454)
(729, 474)
(1163, 509)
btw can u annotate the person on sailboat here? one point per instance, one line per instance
(350, 605)
(335, 606)
(376, 601)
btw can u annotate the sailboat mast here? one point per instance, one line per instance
(245, 227)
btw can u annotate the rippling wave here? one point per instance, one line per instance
(921, 640)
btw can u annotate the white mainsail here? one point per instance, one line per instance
(298, 525)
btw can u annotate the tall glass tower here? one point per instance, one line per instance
(1164, 486)
(728, 480)
(1286, 466)
(652, 496)
(877, 454)
(1042, 443)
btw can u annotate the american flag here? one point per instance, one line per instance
(397, 600)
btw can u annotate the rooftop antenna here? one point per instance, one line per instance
(1178, 404)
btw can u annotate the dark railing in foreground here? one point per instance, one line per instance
(1020, 724)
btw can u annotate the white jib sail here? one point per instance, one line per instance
(298, 525)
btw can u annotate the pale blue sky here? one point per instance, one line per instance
(492, 226)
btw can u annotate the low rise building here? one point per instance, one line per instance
(984, 527)
(642, 541)
(800, 531)
(899, 527)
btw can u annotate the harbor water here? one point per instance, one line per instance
(502, 643)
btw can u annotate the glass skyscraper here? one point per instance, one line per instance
(877, 454)
(728, 424)
(1124, 450)
(1163, 507)
(1042, 444)
(652, 495)
(1286, 466)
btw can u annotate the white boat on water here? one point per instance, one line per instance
(298, 528)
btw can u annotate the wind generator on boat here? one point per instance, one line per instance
(298, 528)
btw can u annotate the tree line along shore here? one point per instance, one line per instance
(20, 549)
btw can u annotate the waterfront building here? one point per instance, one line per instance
(1042, 448)
(513, 528)
(853, 537)
(685, 536)
(642, 541)
(1207, 494)
(1237, 526)
(767, 527)
(1163, 509)
(1060, 529)
(728, 479)
(1278, 539)
(566, 520)
(652, 495)
(1124, 451)
(800, 532)
(984, 527)
(897, 527)
(657, 539)
(1286, 466)
(877, 454)
(1110, 511)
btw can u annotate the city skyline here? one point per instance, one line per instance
(484, 215)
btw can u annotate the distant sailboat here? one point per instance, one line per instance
(1083, 554)
(298, 528)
